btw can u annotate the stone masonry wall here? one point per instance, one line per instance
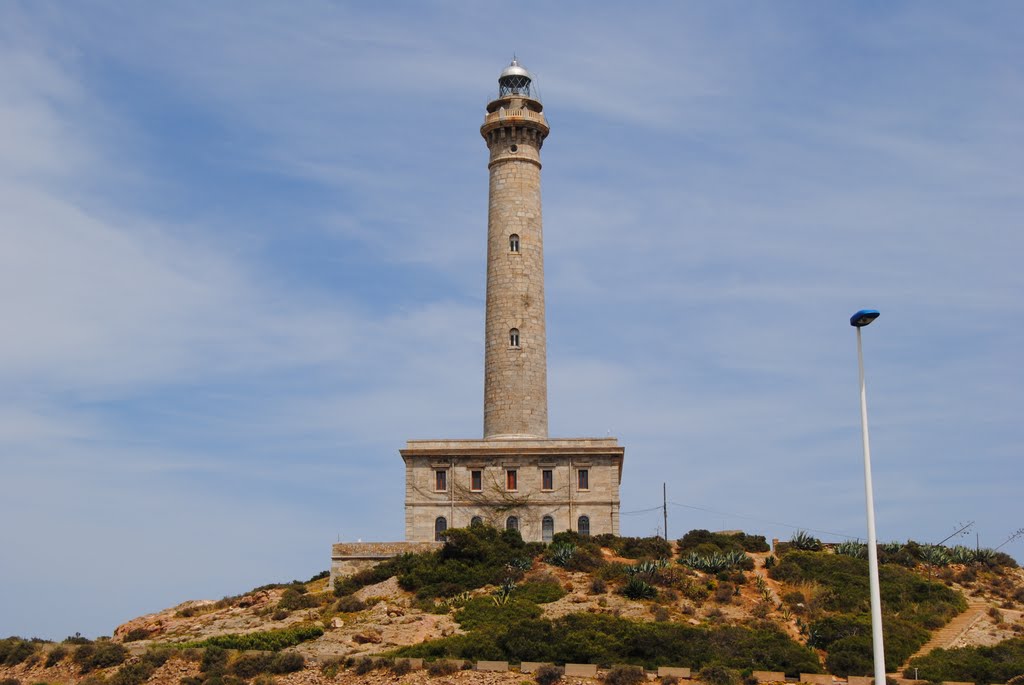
(564, 502)
(515, 378)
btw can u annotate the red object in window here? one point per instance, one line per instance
(511, 480)
(476, 481)
(547, 480)
(440, 480)
(583, 481)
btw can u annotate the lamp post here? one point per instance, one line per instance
(858, 321)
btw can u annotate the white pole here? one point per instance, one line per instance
(876, 598)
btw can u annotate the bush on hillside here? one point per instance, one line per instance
(481, 611)
(14, 650)
(996, 664)
(847, 638)
(603, 639)
(548, 674)
(99, 654)
(704, 541)
(635, 548)
(624, 675)
(267, 641)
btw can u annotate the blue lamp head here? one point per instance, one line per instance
(863, 317)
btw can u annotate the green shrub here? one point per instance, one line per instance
(287, 662)
(624, 675)
(14, 650)
(847, 637)
(598, 586)
(214, 659)
(996, 664)
(540, 592)
(635, 548)
(136, 634)
(364, 665)
(442, 667)
(481, 611)
(292, 599)
(548, 674)
(716, 674)
(100, 654)
(401, 666)
(704, 542)
(349, 605)
(249, 666)
(55, 656)
(268, 640)
(132, 674)
(603, 639)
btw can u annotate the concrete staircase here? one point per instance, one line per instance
(945, 636)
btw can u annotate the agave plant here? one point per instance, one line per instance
(767, 595)
(770, 561)
(504, 592)
(559, 555)
(521, 563)
(851, 548)
(714, 562)
(760, 583)
(962, 555)
(805, 541)
(644, 568)
(637, 588)
(984, 555)
(936, 555)
(890, 547)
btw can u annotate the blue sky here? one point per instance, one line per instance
(243, 261)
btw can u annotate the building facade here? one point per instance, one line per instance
(516, 476)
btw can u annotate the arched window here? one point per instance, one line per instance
(583, 526)
(476, 521)
(547, 528)
(440, 526)
(513, 242)
(513, 337)
(512, 523)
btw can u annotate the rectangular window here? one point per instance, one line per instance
(583, 479)
(511, 480)
(476, 481)
(547, 480)
(440, 481)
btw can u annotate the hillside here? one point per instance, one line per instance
(710, 599)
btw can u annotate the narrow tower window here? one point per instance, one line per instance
(583, 526)
(440, 481)
(476, 481)
(513, 242)
(513, 337)
(440, 526)
(547, 528)
(511, 480)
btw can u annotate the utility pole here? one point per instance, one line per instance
(664, 508)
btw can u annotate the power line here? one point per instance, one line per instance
(761, 520)
(639, 511)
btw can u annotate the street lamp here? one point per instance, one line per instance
(858, 321)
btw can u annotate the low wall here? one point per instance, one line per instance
(348, 558)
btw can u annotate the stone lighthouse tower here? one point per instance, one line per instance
(515, 353)
(516, 477)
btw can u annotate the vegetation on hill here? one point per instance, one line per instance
(603, 639)
(839, 607)
(996, 664)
